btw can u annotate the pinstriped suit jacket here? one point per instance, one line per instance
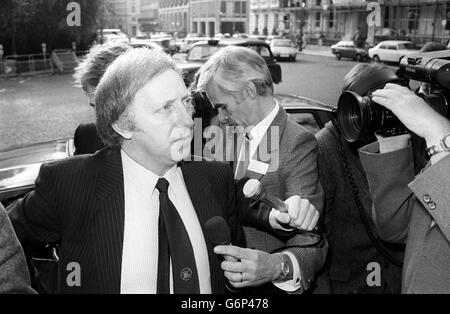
(79, 202)
(294, 172)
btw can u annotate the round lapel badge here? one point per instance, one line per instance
(186, 274)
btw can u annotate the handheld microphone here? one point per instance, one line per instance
(255, 190)
(217, 231)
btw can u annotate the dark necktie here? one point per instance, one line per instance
(244, 152)
(174, 243)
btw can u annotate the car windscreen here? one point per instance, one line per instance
(283, 43)
(201, 53)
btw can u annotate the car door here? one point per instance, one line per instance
(310, 119)
(392, 55)
(382, 52)
(351, 50)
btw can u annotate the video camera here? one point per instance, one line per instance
(360, 118)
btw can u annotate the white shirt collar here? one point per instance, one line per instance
(258, 131)
(143, 178)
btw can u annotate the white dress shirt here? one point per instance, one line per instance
(140, 242)
(257, 133)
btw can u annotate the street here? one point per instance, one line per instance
(38, 109)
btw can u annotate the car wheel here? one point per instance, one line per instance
(338, 56)
(294, 57)
(358, 58)
(376, 58)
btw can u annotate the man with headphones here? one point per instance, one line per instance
(347, 221)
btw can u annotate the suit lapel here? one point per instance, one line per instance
(205, 206)
(109, 223)
(268, 151)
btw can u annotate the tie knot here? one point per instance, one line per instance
(162, 185)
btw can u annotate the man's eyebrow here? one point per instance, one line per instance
(168, 102)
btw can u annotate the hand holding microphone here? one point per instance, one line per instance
(295, 212)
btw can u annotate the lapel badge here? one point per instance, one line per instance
(186, 274)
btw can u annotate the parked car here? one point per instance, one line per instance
(392, 50)
(19, 166)
(138, 43)
(201, 51)
(188, 42)
(433, 46)
(167, 44)
(283, 49)
(110, 34)
(348, 49)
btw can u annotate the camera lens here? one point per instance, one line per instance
(354, 115)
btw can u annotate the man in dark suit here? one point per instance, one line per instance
(87, 75)
(352, 249)
(130, 218)
(14, 276)
(280, 153)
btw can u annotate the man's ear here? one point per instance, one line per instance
(249, 91)
(121, 129)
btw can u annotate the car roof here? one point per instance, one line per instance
(233, 42)
(396, 42)
(291, 101)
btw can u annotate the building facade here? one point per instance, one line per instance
(123, 14)
(210, 17)
(148, 17)
(174, 15)
(332, 20)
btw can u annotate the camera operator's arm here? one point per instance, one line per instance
(388, 175)
(430, 187)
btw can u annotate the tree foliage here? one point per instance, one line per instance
(26, 24)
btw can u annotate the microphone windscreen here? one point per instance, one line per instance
(217, 231)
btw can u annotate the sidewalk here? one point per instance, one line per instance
(317, 50)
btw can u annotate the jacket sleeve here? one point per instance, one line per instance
(35, 218)
(431, 189)
(14, 276)
(301, 177)
(388, 175)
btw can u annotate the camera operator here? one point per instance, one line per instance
(409, 209)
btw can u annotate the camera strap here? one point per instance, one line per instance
(362, 212)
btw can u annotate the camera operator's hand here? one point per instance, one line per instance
(413, 112)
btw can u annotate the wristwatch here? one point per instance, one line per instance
(443, 146)
(286, 268)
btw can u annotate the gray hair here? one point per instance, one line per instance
(232, 68)
(91, 69)
(119, 85)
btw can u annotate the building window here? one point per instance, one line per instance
(331, 20)
(223, 7)
(386, 16)
(237, 8)
(318, 2)
(244, 8)
(413, 18)
(133, 9)
(318, 16)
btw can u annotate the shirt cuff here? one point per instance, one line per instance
(295, 283)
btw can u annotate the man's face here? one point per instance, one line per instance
(162, 114)
(230, 111)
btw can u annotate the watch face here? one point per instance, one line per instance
(446, 142)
